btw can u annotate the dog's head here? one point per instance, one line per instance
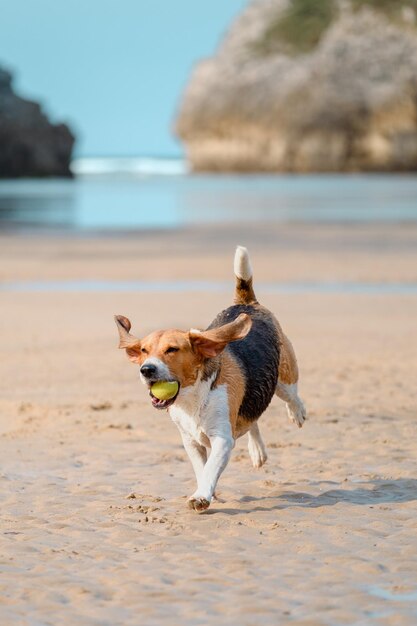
(176, 355)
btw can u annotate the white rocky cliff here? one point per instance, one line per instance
(345, 100)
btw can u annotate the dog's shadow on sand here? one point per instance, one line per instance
(372, 493)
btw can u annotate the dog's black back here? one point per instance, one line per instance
(257, 355)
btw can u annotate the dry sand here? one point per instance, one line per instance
(324, 534)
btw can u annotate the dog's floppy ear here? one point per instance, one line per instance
(126, 340)
(210, 343)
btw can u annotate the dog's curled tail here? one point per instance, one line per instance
(244, 293)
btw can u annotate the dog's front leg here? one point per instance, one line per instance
(221, 449)
(196, 453)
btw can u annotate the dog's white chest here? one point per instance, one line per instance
(200, 412)
(189, 423)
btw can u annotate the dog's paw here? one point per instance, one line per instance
(198, 503)
(257, 454)
(297, 412)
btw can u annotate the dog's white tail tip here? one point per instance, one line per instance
(242, 265)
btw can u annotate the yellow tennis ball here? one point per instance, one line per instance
(164, 390)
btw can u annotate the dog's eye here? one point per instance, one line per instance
(171, 349)
(144, 350)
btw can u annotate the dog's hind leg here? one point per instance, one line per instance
(295, 407)
(287, 384)
(256, 446)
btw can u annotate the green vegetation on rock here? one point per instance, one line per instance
(299, 28)
(389, 7)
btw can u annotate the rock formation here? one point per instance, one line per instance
(348, 103)
(29, 144)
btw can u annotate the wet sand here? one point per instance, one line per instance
(94, 528)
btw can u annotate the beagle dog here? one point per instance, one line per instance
(226, 375)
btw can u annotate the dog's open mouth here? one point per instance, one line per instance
(163, 404)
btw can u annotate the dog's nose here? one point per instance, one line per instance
(148, 370)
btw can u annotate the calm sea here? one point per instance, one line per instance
(119, 194)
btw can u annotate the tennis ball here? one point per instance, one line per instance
(164, 390)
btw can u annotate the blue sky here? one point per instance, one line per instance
(114, 70)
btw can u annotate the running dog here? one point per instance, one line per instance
(226, 375)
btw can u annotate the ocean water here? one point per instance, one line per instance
(206, 286)
(123, 194)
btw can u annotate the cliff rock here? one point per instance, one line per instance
(344, 99)
(29, 144)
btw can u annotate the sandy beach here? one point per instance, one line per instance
(94, 528)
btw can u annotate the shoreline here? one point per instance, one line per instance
(284, 253)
